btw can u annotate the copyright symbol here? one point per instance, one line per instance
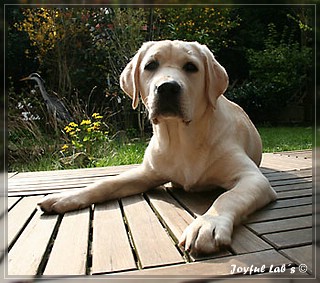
(303, 268)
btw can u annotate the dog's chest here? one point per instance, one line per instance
(187, 170)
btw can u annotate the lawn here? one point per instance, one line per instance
(277, 139)
(274, 139)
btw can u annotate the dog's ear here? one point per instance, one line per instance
(129, 78)
(216, 77)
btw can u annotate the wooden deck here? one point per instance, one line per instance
(138, 235)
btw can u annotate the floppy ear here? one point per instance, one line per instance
(129, 78)
(216, 77)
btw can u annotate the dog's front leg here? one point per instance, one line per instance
(214, 229)
(132, 182)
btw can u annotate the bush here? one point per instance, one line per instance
(260, 102)
(279, 74)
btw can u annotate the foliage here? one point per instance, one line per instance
(131, 152)
(40, 25)
(280, 61)
(116, 36)
(29, 137)
(272, 70)
(58, 35)
(82, 137)
(208, 26)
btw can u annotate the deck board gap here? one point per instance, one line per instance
(286, 230)
(14, 204)
(181, 203)
(21, 230)
(130, 238)
(162, 222)
(167, 229)
(44, 261)
(90, 239)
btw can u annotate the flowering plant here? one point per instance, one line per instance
(82, 136)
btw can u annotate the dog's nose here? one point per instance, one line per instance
(169, 88)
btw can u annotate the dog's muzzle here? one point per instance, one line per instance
(167, 99)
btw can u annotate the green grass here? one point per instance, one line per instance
(274, 139)
(277, 139)
(122, 154)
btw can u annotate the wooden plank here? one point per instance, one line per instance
(244, 241)
(289, 202)
(283, 163)
(266, 171)
(62, 184)
(301, 255)
(48, 182)
(19, 215)
(289, 174)
(288, 239)
(281, 225)
(297, 153)
(27, 253)
(111, 249)
(152, 243)
(294, 194)
(69, 252)
(41, 190)
(278, 163)
(12, 174)
(6, 204)
(281, 213)
(22, 193)
(218, 267)
(75, 173)
(199, 202)
(292, 187)
(12, 201)
(291, 181)
(175, 217)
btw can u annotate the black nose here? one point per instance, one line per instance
(169, 88)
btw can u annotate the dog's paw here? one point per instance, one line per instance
(207, 234)
(62, 202)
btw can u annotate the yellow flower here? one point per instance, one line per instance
(73, 124)
(68, 129)
(64, 147)
(97, 116)
(85, 122)
(96, 125)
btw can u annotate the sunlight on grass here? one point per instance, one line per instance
(276, 139)
(114, 153)
(122, 154)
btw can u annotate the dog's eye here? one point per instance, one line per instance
(190, 67)
(151, 66)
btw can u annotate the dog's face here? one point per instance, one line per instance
(175, 79)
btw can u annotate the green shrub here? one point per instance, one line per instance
(280, 73)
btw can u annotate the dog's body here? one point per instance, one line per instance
(200, 140)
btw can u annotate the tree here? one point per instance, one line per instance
(208, 26)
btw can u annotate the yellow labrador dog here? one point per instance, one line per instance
(201, 140)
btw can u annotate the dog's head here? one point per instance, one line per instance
(175, 79)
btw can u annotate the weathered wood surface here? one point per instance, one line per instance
(153, 245)
(111, 249)
(138, 235)
(69, 252)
